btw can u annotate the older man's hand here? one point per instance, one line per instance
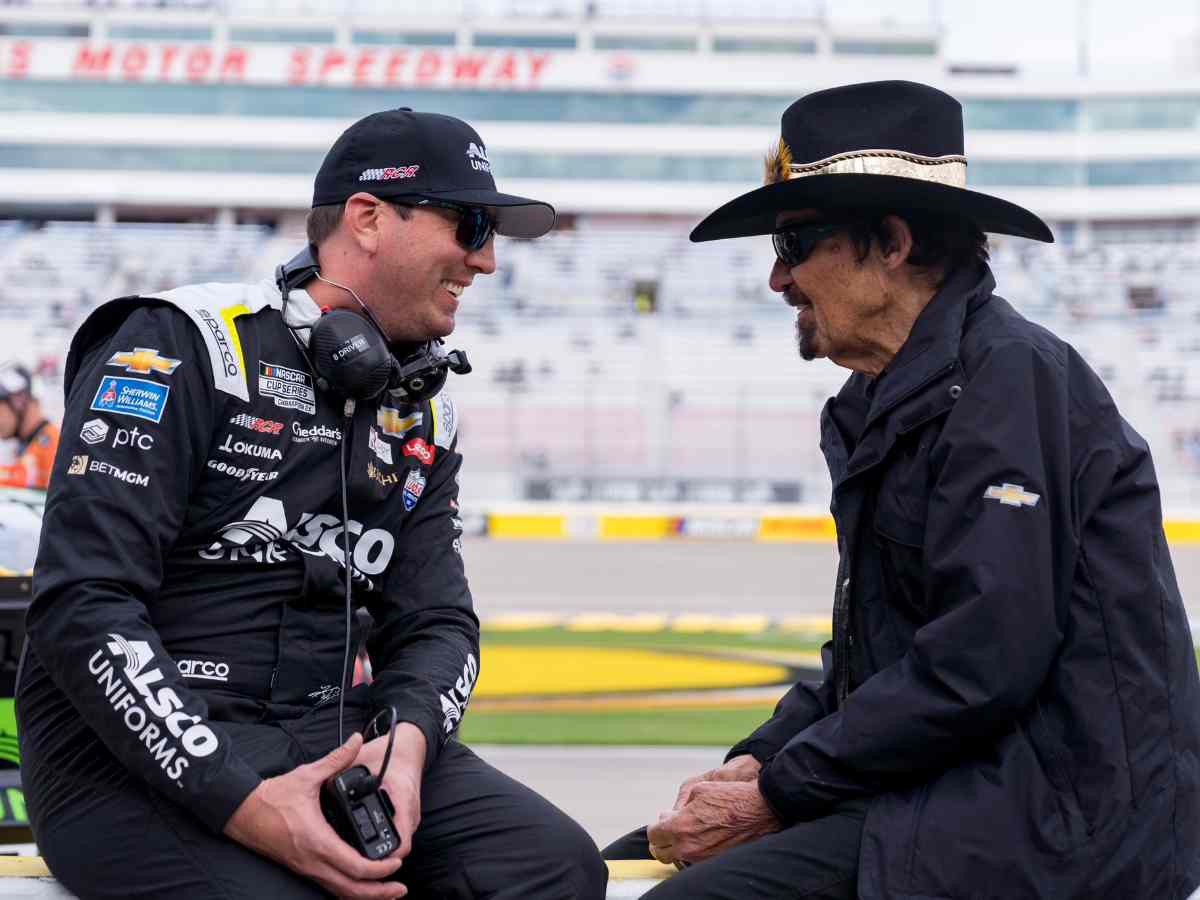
(740, 768)
(717, 815)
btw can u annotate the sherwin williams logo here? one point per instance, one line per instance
(143, 361)
(131, 397)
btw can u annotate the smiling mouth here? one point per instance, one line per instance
(454, 287)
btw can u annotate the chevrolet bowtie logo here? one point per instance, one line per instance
(1011, 495)
(391, 422)
(144, 360)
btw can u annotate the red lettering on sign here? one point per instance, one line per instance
(537, 62)
(334, 60)
(507, 70)
(234, 64)
(469, 68)
(92, 61)
(198, 63)
(298, 66)
(18, 60)
(134, 62)
(363, 66)
(169, 52)
(428, 64)
(394, 64)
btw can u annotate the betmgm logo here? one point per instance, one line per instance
(124, 670)
(478, 158)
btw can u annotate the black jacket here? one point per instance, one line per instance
(190, 568)
(1012, 677)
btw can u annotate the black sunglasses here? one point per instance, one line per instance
(795, 243)
(475, 224)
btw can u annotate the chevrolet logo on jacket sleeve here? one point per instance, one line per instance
(1011, 495)
(144, 360)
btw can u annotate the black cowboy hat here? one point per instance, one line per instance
(892, 145)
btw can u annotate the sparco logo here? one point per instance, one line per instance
(322, 433)
(454, 701)
(218, 333)
(204, 669)
(229, 445)
(155, 715)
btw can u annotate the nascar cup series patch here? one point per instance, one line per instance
(414, 487)
(136, 397)
(289, 388)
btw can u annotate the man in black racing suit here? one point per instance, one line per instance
(178, 700)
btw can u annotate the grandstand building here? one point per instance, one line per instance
(141, 148)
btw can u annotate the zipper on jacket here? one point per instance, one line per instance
(841, 627)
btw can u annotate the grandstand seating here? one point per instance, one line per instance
(570, 379)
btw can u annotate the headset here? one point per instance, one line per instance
(350, 355)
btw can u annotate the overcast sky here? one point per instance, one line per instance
(1153, 33)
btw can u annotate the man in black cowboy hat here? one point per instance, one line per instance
(1011, 706)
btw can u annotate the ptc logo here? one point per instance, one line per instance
(94, 431)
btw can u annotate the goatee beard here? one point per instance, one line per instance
(804, 341)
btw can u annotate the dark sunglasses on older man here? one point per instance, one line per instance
(475, 224)
(795, 243)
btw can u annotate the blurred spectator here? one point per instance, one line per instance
(21, 420)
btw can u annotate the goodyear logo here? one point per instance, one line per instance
(143, 361)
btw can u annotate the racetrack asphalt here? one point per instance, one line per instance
(611, 790)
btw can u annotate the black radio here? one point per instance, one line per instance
(360, 811)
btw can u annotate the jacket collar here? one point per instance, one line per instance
(862, 422)
(932, 345)
(301, 311)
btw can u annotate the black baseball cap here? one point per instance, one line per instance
(398, 153)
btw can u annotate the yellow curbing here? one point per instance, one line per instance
(527, 527)
(636, 528)
(632, 623)
(23, 867)
(1182, 532)
(633, 869)
(517, 671)
(796, 529)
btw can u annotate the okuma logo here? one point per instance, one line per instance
(478, 157)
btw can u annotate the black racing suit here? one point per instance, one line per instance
(190, 572)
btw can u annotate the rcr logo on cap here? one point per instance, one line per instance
(478, 157)
(391, 173)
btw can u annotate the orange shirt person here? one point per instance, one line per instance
(21, 420)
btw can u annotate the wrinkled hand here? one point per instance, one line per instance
(402, 780)
(716, 816)
(740, 768)
(281, 819)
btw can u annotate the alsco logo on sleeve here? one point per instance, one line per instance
(136, 397)
(129, 674)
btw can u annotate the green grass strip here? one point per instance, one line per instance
(790, 641)
(715, 726)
